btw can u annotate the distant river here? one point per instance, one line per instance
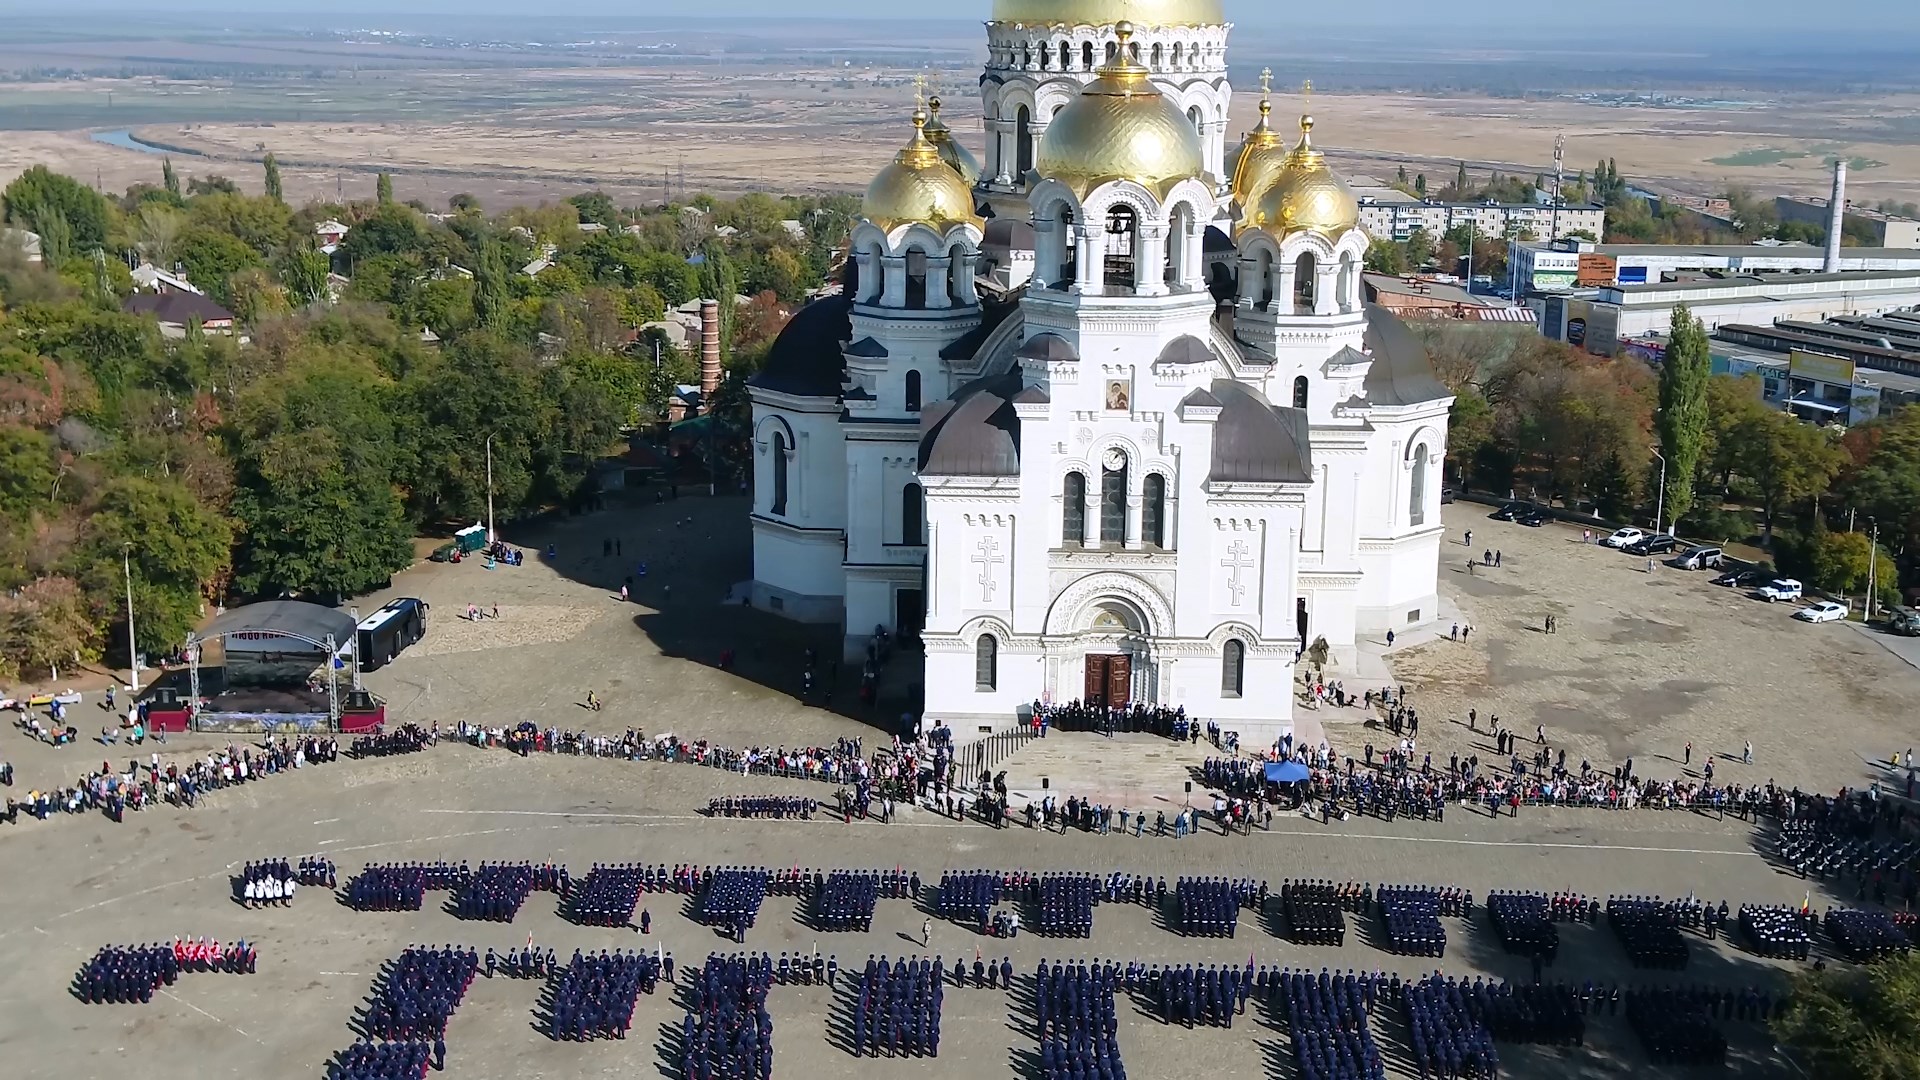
(124, 140)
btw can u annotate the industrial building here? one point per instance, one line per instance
(1885, 230)
(1844, 370)
(1542, 267)
(1605, 319)
(1389, 214)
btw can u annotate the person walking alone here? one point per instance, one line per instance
(926, 933)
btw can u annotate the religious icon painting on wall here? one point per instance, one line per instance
(1117, 396)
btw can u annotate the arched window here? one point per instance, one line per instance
(913, 391)
(1133, 50)
(1417, 490)
(779, 474)
(1086, 56)
(1065, 56)
(1156, 57)
(1176, 54)
(986, 662)
(1073, 510)
(916, 278)
(1348, 292)
(913, 515)
(1233, 668)
(1023, 140)
(1300, 392)
(1304, 280)
(1046, 58)
(1197, 119)
(1153, 511)
(1177, 269)
(1122, 229)
(1113, 50)
(1113, 504)
(1069, 248)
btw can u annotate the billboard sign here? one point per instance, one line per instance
(1553, 279)
(1819, 367)
(1595, 270)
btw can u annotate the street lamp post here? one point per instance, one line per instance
(490, 536)
(1873, 551)
(1660, 505)
(133, 654)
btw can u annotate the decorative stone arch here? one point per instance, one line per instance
(1307, 242)
(985, 624)
(1047, 195)
(1050, 97)
(1217, 637)
(764, 429)
(1145, 204)
(1069, 612)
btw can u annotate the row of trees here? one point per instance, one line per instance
(1544, 420)
(306, 459)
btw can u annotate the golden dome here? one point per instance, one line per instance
(1109, 12)
(1260, 155)
(919, 187)
(951, 151)
(1121, 127)
(1304, 194)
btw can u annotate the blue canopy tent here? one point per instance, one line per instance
(1285, 772)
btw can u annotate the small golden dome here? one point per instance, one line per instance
(1109, 12)
(1121, 127)
(1260, 155)
(951, 151)
(919, 187)
(1304, 194)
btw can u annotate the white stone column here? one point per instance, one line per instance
(1049, 250)
(1192, 254)
(1324, 277)
(939, 274)
(1150, 259)
(1090, 255)
(893, 291)
(1001, 132)
(1283, 286)
(964, 269)
(1090, 515)
(1136, 504)
(1249, 281)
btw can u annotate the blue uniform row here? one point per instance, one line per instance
(595, 996)
(419, 992)
(898, 1009)
(728, 1033)
(1205, 907)
(1410, 918)
(1078, 1024)
(1327, 1018)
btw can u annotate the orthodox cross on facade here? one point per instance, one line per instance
(989, 555)
(1238, 558)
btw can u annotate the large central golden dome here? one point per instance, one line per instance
(919, 187)
(1121, 127)
(1304, 195)
(1109, 12)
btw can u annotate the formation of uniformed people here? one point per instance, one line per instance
(1524, 923)
(733, 897)
(1327, 1018)
(270, 881)
(388, 1060)
(1866, 934)
(388, 888)
(847, 898)
(1649, 930)
(1547, 1013)
(595, 995)
(420, 991)
(1077, 1022)
(762, 806)
(1207, 994)
(495, 892)
(1777, 930)
(1066, 904)
(528, 963)
(1445, 1041)
(1124, 888)
(898, 1008)
(119, 975)
(1078, 716)
(1205, 907)
(1674, 1027)
(608, 895)
(409, 739)
(317, 872)
(728, 1034)
(1313, 912)
(1410, 915)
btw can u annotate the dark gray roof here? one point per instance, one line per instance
(1046, 347)
(805, 359)
(1215, 239)
(866, 346)
(858, 393)
(291, 617)
(992, 314)
(176, 307)
(1402, 373)
(1032, 395)
(1256, 441)
(1199, 396)
(1011, 234)
(978, 434)
(1185, 349)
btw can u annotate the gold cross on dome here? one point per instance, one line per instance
(1266, 80)
(919, 91)
(1306, 91)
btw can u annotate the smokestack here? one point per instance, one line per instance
(1836, 215)
(709, 352)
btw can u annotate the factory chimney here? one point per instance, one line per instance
(709, 352)
(1836, 215)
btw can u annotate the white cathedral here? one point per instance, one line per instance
(1106, 418)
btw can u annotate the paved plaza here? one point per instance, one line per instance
(1642, 664)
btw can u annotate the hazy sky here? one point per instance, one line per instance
(1790, 18)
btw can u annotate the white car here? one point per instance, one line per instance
(1821, 611)
(1622, 537)
(1779, 589)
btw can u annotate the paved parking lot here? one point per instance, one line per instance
(1641, 664)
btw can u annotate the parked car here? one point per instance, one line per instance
(1698, 558)
(1778, 589)
(1622, 537)
(444, 553)
(1510, 511)
(1446, 495)
(1821, 611)
(1741, 579)
(1904, 621)
(1533, 518)
(1657, 544)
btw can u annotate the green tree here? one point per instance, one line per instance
(272, 167)
(157, 231)
(1787, 461)
(1856, 1023)
(1885, 485)
(178, 550)
(44, 626)
(596, 206)
(1469, 431)
(304, 272)
(38, 194)
(492, 301)
(56, 238)
(1419, 248)
(392, 229)
(168, 178)
(212, 257)
(1682, 419)
(383, 189)
(1420, 184)
(1386, 257)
